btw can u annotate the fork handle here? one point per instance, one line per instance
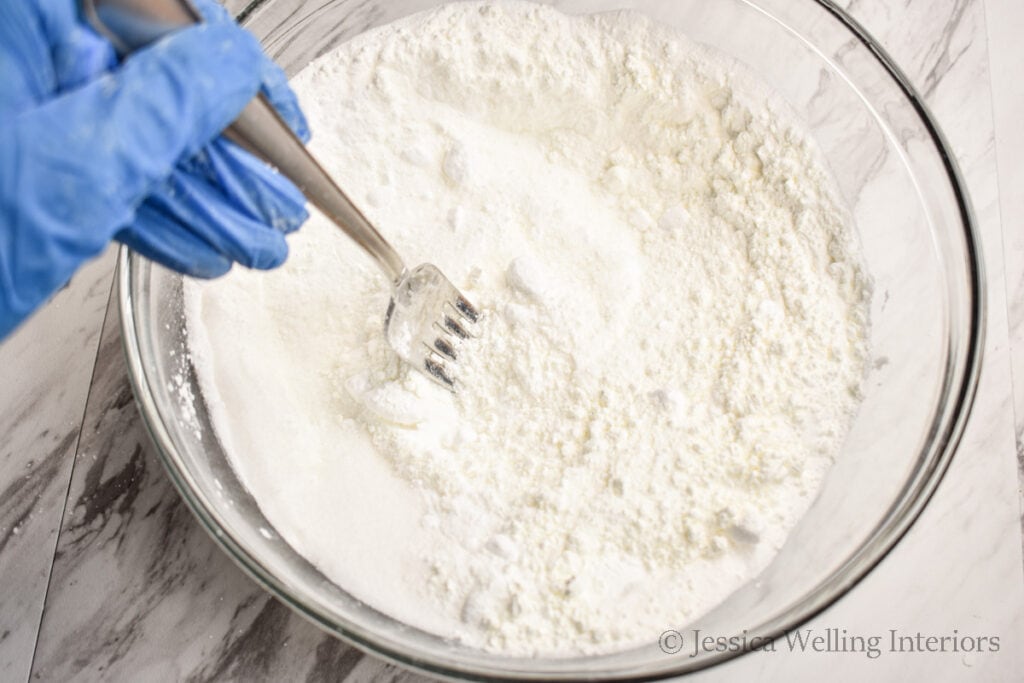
(262, 131)
(132, 24)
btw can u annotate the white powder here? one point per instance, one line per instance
(672, 344)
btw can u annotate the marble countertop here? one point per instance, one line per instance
(105, 574)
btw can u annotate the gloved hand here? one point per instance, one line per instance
(92, 149)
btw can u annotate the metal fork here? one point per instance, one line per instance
(428, 318)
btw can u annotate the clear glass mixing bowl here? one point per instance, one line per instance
(915, 225)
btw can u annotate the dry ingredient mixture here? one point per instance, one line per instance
(674, 334)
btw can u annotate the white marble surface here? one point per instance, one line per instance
(1005, 27)
(943, 574)
(45, 368)
(137, 591)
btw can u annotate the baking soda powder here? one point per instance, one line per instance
(673, 336)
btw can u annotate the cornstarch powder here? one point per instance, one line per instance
(673, 336)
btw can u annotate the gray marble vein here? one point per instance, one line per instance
(942, 574)
(138, 591)
(44, 378)
(236, 7)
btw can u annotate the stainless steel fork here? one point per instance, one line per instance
(427, 319)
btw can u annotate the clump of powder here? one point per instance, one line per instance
(673, 337)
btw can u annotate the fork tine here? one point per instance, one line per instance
(454, 327)
(439, 372)
(465, 309)
(427, 321)
(445, 348)
(451, 309)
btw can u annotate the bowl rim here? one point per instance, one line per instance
(891, 529)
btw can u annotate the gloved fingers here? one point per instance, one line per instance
(274, 82)
(250, 185)
(100, 148)
(255, 188)
(212, 11)
(44, 50)
(200, 207)
(83, 56)
(184, 226)
(77, 52)
(161, 238)
(190, 85)
(276, 88)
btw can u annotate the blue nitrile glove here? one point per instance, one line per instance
(92, 149)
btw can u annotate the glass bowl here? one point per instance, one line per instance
(914, 221)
